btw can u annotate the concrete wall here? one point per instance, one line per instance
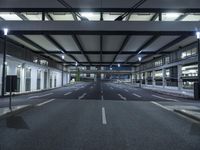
(14, 63)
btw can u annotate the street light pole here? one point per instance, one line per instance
(140, 76)
(197, 85)
(198, 51)
(140, 59)
(4, 63)
(63, 57)
(62, 73)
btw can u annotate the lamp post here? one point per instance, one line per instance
(198, 51)
(5, 30)
(63, 57)
(140, 59)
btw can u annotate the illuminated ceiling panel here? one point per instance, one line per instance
(9, 16)
(59, 16)
(141, 17)
(33, 16)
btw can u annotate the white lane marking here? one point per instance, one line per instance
(39, 96)
(181, 115)
(67, 93)
(104, 122)
(137, 95)
(169, 99)
(82, 96)
(126, 90)
(102, 97)
(77, 89)
(134, 89)
(43, 103)
(159, 105)
(124, 98)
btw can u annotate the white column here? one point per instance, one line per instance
(180, 81)
(153, 78)
(163, 78)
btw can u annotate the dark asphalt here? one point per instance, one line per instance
(75, 120)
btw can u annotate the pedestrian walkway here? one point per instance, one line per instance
(4, 111)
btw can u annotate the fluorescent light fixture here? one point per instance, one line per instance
(87, 14)
(172, 15)
(5, 31)
(139, 58)
(198, 35)
(63, 57)
(19, 66)
(118, 65)
(6, 63)
(140, 52)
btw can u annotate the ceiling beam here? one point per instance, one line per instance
(27, 48)
(55, 43)
(155, 36)
(61, 9)
(155, 16)
(103, 52)
(181, 17)
(101, 48)
(20, 15)
(48, 16)
(52, 40)
(101, 27)
(146, 44)
(76, 40)
(124, 43)
(27, 40)
(168, 45)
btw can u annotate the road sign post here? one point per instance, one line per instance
(11, 86)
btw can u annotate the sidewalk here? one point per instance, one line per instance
(173, 91)
(194, 114)
(4, 112)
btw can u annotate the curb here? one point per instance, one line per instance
(167, 93)
(39, 91)
(8, 114)
(187, 114)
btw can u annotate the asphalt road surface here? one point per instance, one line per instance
(98, 116)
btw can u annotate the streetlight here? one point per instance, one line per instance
(76, 64)
(139, 59)
(118, 65)
(198, 51)
(63, 57)
(5, 32)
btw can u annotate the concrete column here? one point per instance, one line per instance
(23, 79)
(180, 81)
(132, 78)
(145, 78)
(153, 78)
(163, 79)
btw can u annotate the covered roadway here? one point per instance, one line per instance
(100, 74)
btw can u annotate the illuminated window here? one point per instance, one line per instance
(167, 72)
(189, 53)
(190, 71)
(158, 63)
(158, 74)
